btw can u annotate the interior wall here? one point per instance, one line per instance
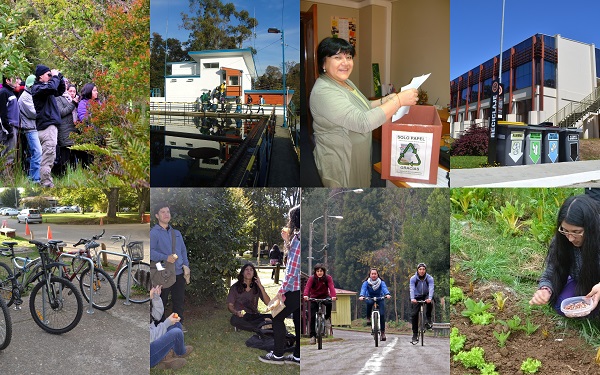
(421, 45)
(373, 36)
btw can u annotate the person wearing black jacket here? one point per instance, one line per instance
(48, 85)
(9, 118)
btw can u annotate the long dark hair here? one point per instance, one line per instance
(581, 211)
(240, 285)
(86, 91)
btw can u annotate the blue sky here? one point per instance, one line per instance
(475, 26)
(267, 12)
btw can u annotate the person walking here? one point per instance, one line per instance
(28, 126)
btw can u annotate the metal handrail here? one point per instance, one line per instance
(90, 309)
(126, 303)
(580, 107)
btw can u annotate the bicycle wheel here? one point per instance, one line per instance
(140, 282)
(422, 325)
(6, 285)
(56, 305)
(320, 330)
(5, 325)
(104, 290)
(375, 322)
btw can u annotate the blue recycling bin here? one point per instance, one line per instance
(569, 144)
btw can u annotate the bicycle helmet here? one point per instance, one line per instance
(421, 265)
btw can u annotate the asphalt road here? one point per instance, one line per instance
(105, 342)
(72, 233)
(357, 354)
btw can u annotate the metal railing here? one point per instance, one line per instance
(127, 303)
(90, 309)
(574, 112)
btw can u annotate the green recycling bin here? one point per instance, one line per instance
(510, 143)
(533, 144)
(569, 144)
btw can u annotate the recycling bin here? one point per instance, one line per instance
(533, 144)
(510, 142)
(550, 144)
(569, 144)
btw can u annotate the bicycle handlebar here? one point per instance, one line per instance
(328, 299)
(374, 298)
(83, 241)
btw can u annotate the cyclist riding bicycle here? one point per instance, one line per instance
(374, 286)
(320, 286)
(421, 289)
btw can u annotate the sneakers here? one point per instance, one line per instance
(271, 358)
(415, 340)
(313, 340)
(428, 325)
(171, 363)
(291, 359)
(383, 338)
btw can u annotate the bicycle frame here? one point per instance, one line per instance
(320, 319)
(375, 319)
(422, 321)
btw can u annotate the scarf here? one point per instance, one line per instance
(374, 284)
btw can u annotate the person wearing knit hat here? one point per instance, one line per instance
(48, 85)
(421, 288)
(28, 126)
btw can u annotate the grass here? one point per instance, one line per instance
(218, 349)
(90, 218)
(73, 177)
(589, 150)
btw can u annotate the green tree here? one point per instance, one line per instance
(10, 197)
(215, 225)
(13, 59)
(82, 197)
(214, 25)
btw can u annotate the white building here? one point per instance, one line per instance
(545, 78)
(188, 80)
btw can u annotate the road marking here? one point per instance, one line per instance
(374, 363)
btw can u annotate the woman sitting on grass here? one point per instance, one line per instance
(573, 262)
(167, 347)
(242, 300)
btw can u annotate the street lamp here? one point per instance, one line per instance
(273, 30)
(357, 191)
(310, 238)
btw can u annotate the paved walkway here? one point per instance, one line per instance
(285, 169)
(580, 173)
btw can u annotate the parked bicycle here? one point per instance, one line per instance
(320, 320)
(139, 284)
(104, 291)
(54, 302)
(422, 322)
(375, 322)
(5, 325)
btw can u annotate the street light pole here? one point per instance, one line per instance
(273, 30)
(357, 191)
(310, 240)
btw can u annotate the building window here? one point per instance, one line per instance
(487, 89)
(234, 80)
(549, 74)
(474, 92)
(212, 65)
(463, 96)
(523, 76)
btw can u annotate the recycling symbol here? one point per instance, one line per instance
(410, 148)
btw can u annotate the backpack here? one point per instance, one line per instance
(263, 339)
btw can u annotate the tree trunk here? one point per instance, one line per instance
(143, 195)
(112, 195)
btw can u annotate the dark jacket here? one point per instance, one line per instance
(44, 100)
(67, 126)
(9, 108)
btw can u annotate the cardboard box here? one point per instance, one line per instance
(411, 146)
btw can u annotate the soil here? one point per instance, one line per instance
(560, 349)
(590, 149)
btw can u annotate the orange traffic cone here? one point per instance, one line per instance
(27, 231)
(49, 234)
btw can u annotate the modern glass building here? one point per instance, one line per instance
(545, 78)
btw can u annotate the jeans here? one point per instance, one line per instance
(381, 304)
(177, 292)
(292, 305)
(415, 309)
(48, 140)
(35, 151)
(172, 339)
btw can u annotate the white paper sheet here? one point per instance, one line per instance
(415, 83)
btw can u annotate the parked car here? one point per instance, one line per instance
(30, 215)
(10, 212)
(65, 209)
(50, 210)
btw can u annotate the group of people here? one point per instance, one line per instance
(210, 101)
(167, 345)
(421, 285)
(41, 113)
